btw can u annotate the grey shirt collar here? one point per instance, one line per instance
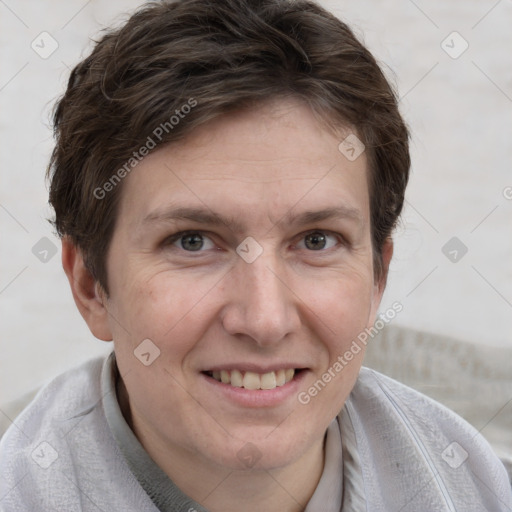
(167, 497)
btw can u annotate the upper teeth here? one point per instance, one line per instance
(252, 380)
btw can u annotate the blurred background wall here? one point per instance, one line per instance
(452, 269)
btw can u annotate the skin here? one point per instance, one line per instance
(293, 305)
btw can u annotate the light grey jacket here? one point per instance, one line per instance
(400, 451)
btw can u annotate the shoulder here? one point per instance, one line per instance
(389, 395)
(63, 398)
(59, 452)
(408, 439)
(38, 436)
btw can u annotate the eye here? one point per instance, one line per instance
(193, 241)
(317, 241)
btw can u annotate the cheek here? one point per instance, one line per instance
(342, 301)
(343, 309)
(169, 312)
(162, 306)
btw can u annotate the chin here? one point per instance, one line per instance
(253, 450)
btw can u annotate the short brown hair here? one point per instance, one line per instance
(217, 56)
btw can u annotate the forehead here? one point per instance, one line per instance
(274, 159)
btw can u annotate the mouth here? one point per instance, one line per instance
(253, 380)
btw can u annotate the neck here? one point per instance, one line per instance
(279, 490)
(218, 489)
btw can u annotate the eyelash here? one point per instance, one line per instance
(169, 241)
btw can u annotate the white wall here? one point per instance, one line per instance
(460, 114)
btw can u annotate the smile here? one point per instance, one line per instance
(253, 380)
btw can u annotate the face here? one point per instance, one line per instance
(243, 253)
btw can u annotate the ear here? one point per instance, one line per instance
(88, 294)
(387, 254)
(380, 281)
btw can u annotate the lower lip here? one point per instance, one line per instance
(257, 398)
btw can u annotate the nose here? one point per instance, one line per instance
(261, 304)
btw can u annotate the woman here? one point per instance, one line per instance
(226, 179)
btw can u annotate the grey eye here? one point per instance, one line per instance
(317, 240)
(193, 242)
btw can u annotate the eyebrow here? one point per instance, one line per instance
(199, 215)
(337, 212)
(208, 217)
